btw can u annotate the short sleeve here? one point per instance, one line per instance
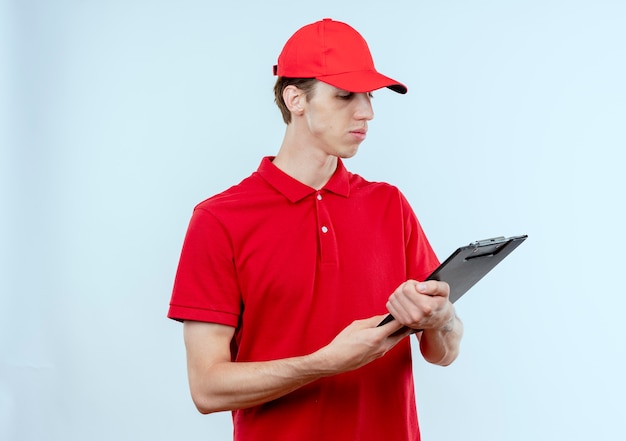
(205, 287)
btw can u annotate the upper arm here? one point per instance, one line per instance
(206, 344)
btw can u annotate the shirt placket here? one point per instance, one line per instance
(326, 234)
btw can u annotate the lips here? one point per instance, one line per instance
(359, 133)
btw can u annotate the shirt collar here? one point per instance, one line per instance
(294, 190)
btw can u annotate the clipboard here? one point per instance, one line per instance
(470, 263)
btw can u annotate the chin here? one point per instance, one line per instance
(348, 153)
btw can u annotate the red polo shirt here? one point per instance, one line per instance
(290, 267)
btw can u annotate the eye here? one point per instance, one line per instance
(345, 95)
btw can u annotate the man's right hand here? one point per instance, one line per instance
(360, 343)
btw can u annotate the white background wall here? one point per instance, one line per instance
(118, 116)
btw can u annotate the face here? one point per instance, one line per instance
(336, 120)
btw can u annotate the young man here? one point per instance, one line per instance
(284, 277)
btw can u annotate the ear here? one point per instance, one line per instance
(294, 99)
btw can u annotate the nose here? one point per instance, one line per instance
(364, 108)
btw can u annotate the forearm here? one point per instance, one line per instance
(237, 385)
(441, 345)
(217, 383)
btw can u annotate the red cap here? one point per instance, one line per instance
(335, 53)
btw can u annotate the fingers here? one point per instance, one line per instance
(419, 304)
(375, 320)
(385, 330)
(433, 288)
(411, 290)
(392, 329)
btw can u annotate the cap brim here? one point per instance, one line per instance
(363, 81)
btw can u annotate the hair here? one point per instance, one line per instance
(304, 84)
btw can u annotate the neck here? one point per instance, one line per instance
(309, 166)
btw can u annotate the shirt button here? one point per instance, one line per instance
(319, 197)
(324, 229)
